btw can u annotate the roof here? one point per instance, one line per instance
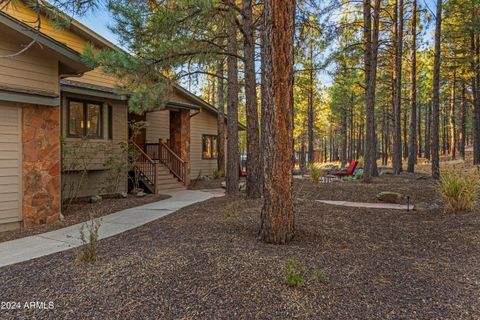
(70, 59)
(104, 43)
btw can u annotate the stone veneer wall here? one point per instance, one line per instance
(41, 164)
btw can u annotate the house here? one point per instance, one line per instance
(62, 121)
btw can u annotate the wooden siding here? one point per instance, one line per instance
(92, 147)
(30, 71)
(158, 126)
(25, 14)
(202, 123)
(10, 163)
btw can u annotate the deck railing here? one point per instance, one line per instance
(147, 167)
(173, 162)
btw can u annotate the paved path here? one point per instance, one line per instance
(368, 205)
(32, 247)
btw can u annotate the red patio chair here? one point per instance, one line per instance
(349, 171)
(241, 172)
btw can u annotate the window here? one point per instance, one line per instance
(84, 119)
(110, 122)
(209, 147)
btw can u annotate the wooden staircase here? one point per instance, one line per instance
(160, 169)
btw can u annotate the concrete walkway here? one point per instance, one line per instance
(32, 247)
(369, 205)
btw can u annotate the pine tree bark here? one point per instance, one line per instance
(277, 217)
(343, 133)
(428, 133)
(453, 133)
(220, 118)
(412, 133)
(370, 60)
(254, 171)
(475, 66)
(233, 156)
(397, 133)
(310, 106)
(436, 94)
(463, 120)
(419, 134)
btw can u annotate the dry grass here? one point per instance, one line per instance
(459, 190)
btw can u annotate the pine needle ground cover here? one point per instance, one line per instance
(200, 263)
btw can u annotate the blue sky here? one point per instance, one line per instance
(98, 20)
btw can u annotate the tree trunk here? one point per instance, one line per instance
(254, 187)
(232, 113)
(310, 107)
(463, 120)
(428, 132)
(277, 217)
(220, 119)
(397, 134)
(370, 59)
(343, 133)
(419, 134)
(475, 56)
(351, 134)
(453, 140)
(412, 133)
(436, 94)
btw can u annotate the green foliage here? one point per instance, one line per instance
(88, 251)
(347, 178)
(361, 162)
(229, 210)
(315, 173)
(294, 273)
(217, 174)
(359, 175)
(317, 275)
(459, 190)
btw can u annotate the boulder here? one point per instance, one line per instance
(95, 199)
(390, 197)
(123, 194)
(141, 194)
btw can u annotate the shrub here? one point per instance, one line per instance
(217, 174)
(459, 190)
(294, 274)
(361, 162)
(317, 275)
(87, 252)
(315, 173)
(359, 175)
(229, 210)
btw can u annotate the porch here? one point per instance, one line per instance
(163, 148)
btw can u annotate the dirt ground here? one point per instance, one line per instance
(205, 262)
(82, 210)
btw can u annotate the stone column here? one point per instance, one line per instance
(41, 164)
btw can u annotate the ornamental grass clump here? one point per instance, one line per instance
(315, 173)
(459, 190)
(294, 274)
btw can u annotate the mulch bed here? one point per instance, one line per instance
(204, 262)
(82, 210)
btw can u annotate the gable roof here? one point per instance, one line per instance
(69, 59)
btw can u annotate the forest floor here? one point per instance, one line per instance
(205, 262)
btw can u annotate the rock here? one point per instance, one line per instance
(242, 186)
(204, 178)
(95, 199)
(390, 197)
(123, 194)
(424, 206)
(141, 194)
(385, 171)
(224, 185)
(61, 217)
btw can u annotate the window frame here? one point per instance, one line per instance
(85, 103)
(210, 136)
(110, 121)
